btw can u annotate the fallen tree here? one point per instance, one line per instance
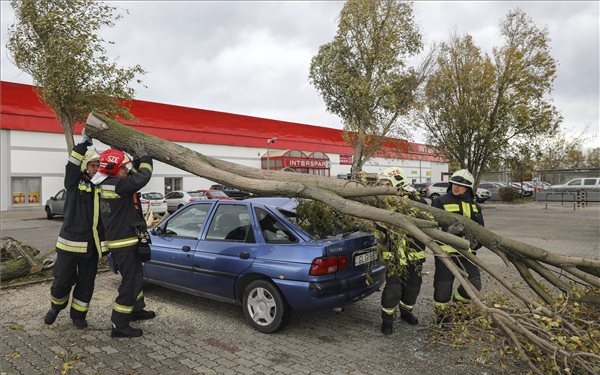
(536, 326)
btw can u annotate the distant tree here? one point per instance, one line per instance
(593, 158)
(362, 74)
(56, 42)
(475, 106)
(553, 151)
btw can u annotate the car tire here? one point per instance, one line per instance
(264, 307)
(49, 214)
(434, 196)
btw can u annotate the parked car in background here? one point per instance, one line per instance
(55, 205)
(538, 185)
(179, 198)
(440, 188)
(421, 187)
(153, 201)
(524, 189)
(214, 194)
(248, 253)
(231, 191)
(578, 183)
(493, 188)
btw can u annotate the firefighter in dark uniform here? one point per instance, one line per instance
(80, 242)
(407, 254)
(122, 218)
(460, 199)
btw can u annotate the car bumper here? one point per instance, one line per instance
(325, 295)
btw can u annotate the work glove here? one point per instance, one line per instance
(138, 149)
(86, 138)
(473, 244)
(456, 229)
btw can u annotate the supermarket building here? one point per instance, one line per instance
(33, 150)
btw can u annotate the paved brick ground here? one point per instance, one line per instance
(192, 335)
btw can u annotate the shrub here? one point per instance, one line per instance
(508, 193)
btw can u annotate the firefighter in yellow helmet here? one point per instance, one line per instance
(80, 242)
(402, 286)
(459, 199)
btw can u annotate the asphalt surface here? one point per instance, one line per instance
(193, 335)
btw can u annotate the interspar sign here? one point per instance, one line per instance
(305, 163)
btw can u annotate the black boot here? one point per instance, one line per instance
(408, 317)
(51, 316)
(80, 323)
(126, 331)
(443, 320)
(387, 328)
(142, 315)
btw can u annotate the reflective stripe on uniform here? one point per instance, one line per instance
(85, 187)
(80, 306)
(451, 207)
(117, 244)
(95, 221)
(466, 209)
(390, 311)
(59, 301)
(147, 166)
(75, 158)
(122, 309)
(72, 246)
(107, 194)
(440, 305)
(406, 307)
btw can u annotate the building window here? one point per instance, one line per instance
(26, 191)
(173, 184)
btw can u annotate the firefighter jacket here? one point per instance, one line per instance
(410, 250)
(81, 223)
(119, 207)
(464, 205)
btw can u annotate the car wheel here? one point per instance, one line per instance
(49, 214)
(264, 307)
(434, 196)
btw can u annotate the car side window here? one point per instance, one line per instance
(231, 223)
(188, 222)
(589, 181)
(61, 195)
(272, 230)
(576, 182)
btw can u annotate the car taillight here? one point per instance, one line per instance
(327, 265)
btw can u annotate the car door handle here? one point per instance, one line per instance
(186, 248)
(244, 255)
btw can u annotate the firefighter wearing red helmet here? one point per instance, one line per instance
(81, 240)
(123, 222)
(460, 200)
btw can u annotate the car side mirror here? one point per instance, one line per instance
(158, 231)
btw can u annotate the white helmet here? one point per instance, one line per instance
(90, 155)
(463, 178)
(396, 177)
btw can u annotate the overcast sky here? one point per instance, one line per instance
(253, 58)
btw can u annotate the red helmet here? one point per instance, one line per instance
(112, 160)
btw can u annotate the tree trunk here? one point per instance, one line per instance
(353, 198)
(17, 259)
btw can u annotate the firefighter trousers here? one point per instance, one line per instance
(74, 273)
(402, 289)
(443, 279)
(131, 297)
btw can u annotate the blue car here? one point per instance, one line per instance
(247, 252)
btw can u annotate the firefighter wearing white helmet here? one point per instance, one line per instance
(81, 240)
(401, 288)
(460, 200)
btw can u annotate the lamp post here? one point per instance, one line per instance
(269, 141)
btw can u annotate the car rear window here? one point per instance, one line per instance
(195, 194)
(152, 196)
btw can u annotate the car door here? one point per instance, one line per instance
(227, 248)
(174, 243)
(58, 204)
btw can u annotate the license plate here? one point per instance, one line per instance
(156, 204)
(364, 258)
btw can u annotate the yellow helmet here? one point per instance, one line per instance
(90, 155)
(395, 176)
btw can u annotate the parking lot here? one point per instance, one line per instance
(193, 335)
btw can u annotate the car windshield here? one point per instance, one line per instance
(152, 196)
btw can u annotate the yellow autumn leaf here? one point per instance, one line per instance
(16, 355)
